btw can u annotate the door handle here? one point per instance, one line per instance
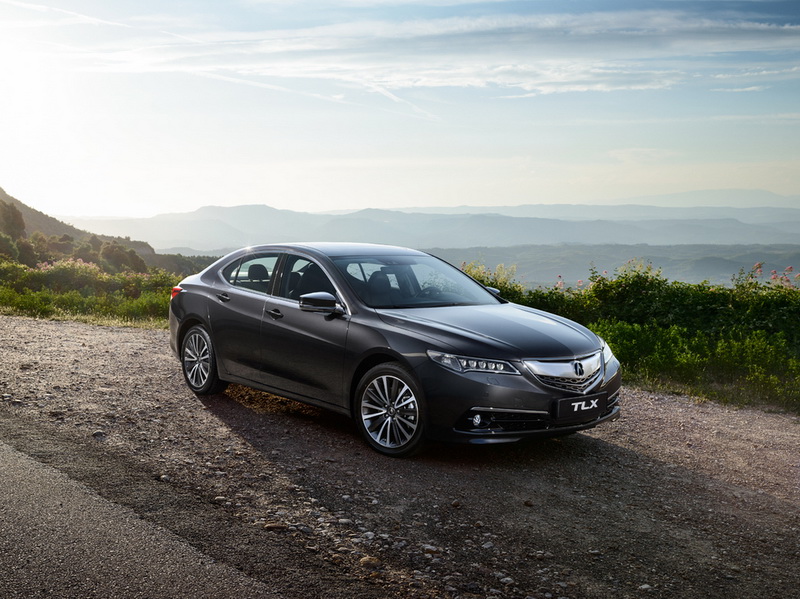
(224, 297)
(275, 314)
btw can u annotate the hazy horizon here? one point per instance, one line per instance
(142, 108)
(714, 199)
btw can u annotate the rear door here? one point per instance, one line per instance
(236, 312)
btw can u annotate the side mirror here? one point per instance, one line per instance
(320, 301)
(493, 290)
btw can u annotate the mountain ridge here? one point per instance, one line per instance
(36, 220)
(212, 227)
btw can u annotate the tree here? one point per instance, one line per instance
(86, 252)
(120, 258)
(39, 242)
(11, 221)
(27, 253)
(8, 249)
(60, 247)
(95, 242)
(135, 261)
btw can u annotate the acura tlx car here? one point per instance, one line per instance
(407, 345)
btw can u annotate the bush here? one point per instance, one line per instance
(72, 287)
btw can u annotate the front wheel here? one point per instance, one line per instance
(389, 410)
(200, 363)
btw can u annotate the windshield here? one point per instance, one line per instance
(410, 282)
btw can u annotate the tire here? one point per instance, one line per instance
(390, 411)
(199, 363)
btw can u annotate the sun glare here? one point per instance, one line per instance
(27, 73)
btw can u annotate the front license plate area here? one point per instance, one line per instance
(581, 409)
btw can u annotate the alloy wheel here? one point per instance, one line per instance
(196, 360)
(389, 412)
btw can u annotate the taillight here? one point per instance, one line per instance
(176, 291)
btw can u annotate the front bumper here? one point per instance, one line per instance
(482, 408)
(507, 427)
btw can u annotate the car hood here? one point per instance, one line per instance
(509, 329)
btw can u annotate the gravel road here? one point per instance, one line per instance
(676, 499)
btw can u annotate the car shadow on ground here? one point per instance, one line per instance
(272, 423)
(585, 499)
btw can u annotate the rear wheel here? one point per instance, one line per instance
(200, 363)
(389, 410)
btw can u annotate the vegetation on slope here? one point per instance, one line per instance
(74, 289)
(59, 276)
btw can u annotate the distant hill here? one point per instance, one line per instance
(768, 215)
(689, 243)
(47, 225)
(215, 228)
(542, 264)
(745, 205)
(39, 221)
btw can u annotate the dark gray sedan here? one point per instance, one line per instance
(407, 345)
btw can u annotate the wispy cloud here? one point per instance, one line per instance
(739, 90)
(781, 118)
(74, 16)
(373, 3)
(518, 55)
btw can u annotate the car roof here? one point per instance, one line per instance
(335, 248)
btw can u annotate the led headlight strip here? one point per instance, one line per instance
(471, 364)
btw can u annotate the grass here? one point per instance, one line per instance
(93, 319)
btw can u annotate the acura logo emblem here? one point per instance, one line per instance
(578, 368)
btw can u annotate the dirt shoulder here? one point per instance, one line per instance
(676, 499)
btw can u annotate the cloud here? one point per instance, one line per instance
(738, 90)
(373, 3)
(74, 16)
(514, 55)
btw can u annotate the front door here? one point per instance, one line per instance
(303, 352)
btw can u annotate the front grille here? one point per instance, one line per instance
(576, 375)
(570, 384)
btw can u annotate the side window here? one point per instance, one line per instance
(230, 272)
(254, 272)
(303, 276)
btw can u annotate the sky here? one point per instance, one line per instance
(136, 108)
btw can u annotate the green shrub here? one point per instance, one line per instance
(71, 287)
(757, 366)
(148, 305)
(38, 304)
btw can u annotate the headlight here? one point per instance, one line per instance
(608, 355)
(471, 364)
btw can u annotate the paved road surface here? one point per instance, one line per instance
(59, 539)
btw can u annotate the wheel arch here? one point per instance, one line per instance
(366, 364)
(187, 324)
